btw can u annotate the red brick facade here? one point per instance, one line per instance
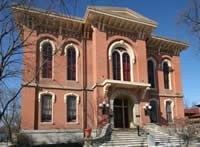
(94, 86)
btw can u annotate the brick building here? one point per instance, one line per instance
(107, 67)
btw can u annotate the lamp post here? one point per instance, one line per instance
(104, 106)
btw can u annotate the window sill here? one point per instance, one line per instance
(46, 123)
(72, 123)
(72, 81)
(47, 79)
(168, 90)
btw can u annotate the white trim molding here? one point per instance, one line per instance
(124, 45)
(72, 94)
(172, 107)
(53, 101)
(128, 50)
(47, 93)
(42, 43)
(154, 68)
(170, 67)
(77, 106)
(71, 45)
(48, 41)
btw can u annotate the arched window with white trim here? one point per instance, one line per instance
(46, 108)
(151, 72)
(121, 64)
(122, 59)
(71, 64)
(47, 61)
(169, 107)
(71, 100)
(46, 100)
(169, 111)
(71, 109)
(166, 74)
(47, 49)
(72, 53)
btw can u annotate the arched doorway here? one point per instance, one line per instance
(121, 117)
(154, 112)
(121, 101)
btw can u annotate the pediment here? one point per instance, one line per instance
(124, 13)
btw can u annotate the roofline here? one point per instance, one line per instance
(51, 14)
(162, 38)
(141, 22)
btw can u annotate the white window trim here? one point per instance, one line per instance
(129, 51)
(42, 43)
(154, 66)
(169, 76)
(172, 108)
(53, 101)
(77, 107)
(77, 55)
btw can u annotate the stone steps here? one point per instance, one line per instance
(126, 138)
(161, 137)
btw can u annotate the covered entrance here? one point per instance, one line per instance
(124, 106)
(121, 118)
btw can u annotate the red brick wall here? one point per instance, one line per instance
(98, 69)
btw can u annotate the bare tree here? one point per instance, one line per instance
(12, 39)
(191, 17)
(11, 117)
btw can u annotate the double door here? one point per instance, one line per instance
(121, 113)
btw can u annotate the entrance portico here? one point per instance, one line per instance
(124, 98)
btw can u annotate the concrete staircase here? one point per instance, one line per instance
(126, 138)
(161, 136)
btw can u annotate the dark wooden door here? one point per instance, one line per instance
(153, 113)
(121, 113)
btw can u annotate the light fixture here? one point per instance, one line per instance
(104, 106)
(147, 109)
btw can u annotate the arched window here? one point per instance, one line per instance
(126, 67)
(46, 108)
(151, 73)
(169, 111)
(166, 75)
(116, 66)
(121, 64)
(122, 59)
(71, 64)
(71, 108)
(47, 60)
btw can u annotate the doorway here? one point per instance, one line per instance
(153, 113)
(121, 117)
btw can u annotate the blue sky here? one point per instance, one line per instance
(166, 13)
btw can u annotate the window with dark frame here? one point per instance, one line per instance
(126, 67)
(166, 75)
(71, 64)
(71, 108)
(47, 61)
(46, 108)
(116, 66)
(151, 73)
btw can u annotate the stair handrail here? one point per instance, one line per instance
(106, 131)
